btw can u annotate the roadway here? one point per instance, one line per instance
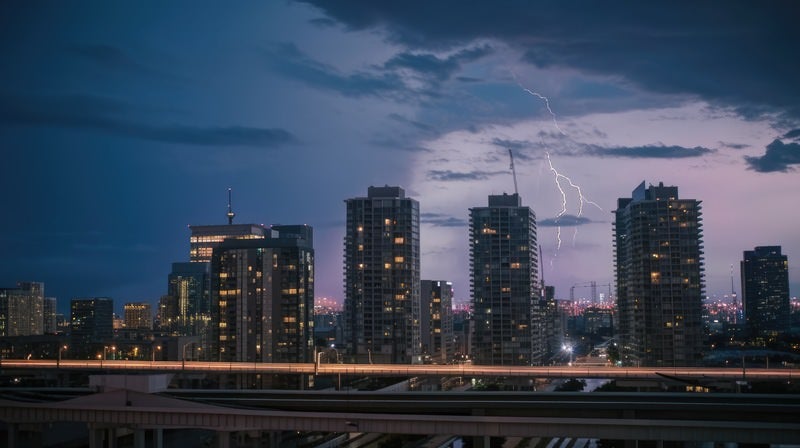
(409, 370)
(744, 418)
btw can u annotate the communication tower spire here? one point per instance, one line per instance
(230, 211)
(513, 171)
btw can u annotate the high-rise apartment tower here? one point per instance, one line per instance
(765, 291)
(504, 283)
(262, 297)
(382, 277)
(658, 250)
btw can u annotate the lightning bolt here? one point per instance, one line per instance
(541, 97)
(563, 199)
(582, 200)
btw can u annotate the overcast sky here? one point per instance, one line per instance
(123, 122)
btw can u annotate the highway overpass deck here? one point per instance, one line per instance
(407, 370)
(740, 418)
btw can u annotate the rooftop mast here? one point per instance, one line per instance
(230, 211)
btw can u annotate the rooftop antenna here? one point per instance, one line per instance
(513, 171)
(734, 298)
(230, 211)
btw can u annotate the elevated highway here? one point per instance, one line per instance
(407, 370)
(741, 418)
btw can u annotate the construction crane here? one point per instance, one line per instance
(513, 170)
(592, 285)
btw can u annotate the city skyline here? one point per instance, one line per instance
(122, 125)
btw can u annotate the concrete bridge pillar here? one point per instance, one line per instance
(139, 437)
(224, 439)
(13, 435)
(158, 438)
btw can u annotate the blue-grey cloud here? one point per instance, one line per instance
(414, 123)
(648, 151)
(289, 61)
(323, 22)
(564, 221)
(441, 220)
(778, 158)
(447, 175)
(516, 145)
(740, 55)
(733, 145)
(430, 65)
(794, 134)
(521, 148)
(113, 117)
(115, 58)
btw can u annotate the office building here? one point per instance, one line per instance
(22, 309)
(49, 321)
(658, 251)
(138, 316)
(504, 283)
(436, 320)
(92, 326)
(765, 291)
(262, 297)
(187, 310)
(382, 277)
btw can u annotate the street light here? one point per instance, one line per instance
(60, 349)
(105, 351)
(568, 348)
(153, 352)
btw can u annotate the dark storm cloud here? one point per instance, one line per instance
(733, 145)
(447, 175)
(441, 220)
(777, 158)
(655, 152)
(113, 58)
(564, 221)
(516, 145)
(323, 22)
(289, 61)
(416, 124)
(430, 65)
(521, 148)
(794, 134)
(737, 55)
(112, 117)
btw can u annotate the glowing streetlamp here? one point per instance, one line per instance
(568, 349)
(153, 352)
(60, 349)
